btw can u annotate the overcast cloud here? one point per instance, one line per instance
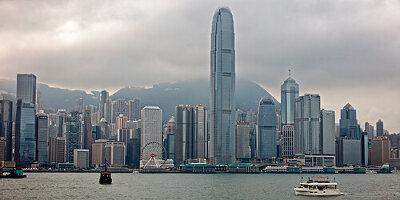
(347, 51)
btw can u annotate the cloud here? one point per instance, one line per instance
(347, 51)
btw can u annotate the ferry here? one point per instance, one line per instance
(14, 173)
(320, 186)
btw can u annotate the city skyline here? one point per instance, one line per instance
(331, 36)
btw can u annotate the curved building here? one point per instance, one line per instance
(222, 80)
(266, 129)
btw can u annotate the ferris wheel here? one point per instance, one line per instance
(153, 152)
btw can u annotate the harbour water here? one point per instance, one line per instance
(190, 186)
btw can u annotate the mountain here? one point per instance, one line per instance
(193, 92)
(164, 95)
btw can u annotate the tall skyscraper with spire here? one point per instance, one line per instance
(289, 92)
(222, 80)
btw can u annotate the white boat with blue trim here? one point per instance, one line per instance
(319, 186)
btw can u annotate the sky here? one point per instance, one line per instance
(346, 51)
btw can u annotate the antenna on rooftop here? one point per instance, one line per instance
(290, 72)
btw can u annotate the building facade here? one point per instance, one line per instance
(379, 128)
(266, 129)
(25, 134)
(151, 133)
(328, 132)
(81, 158)
(134, 109)
(42, 142)
(115, 153)
(348, 122)
(57, 150)
(222, 79)
(6, 125)
(380, 151)
(242, 141)
(287, 141)
(307, 124)
(289, 92)
(26, 88)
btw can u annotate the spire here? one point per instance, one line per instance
(290, 72)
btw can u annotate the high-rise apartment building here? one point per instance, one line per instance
(42, 139)
(222, 78)
(307, 125)
(25, 134)
(328, 132)
(26, 88)
(6, 124)
(266, 129)
(134, 109)
(119, 106)
(370, 130)
(121, 121)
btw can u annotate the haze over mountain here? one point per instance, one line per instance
(164, 95)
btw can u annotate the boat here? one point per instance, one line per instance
(319, 186)
(105, 177)
(14, 173)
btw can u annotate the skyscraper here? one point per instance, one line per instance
(289, 92)
(81, 158)
(184, 133)
(266, 129)
(380, 150)
(87, 129)
(307, 124)
(115, 153)
(73, 135)
(151, 132)
(26, 88)
(200, 132)
(379, 128)
(328, 132)
(134, 109)
(222, 80)
(287, 141)
(25, 136)
(370, 130)
(348, 122)
(57, 150)
(6, 127)
(242, 141)
(103, 104)
(42, 136)
(119, 106)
